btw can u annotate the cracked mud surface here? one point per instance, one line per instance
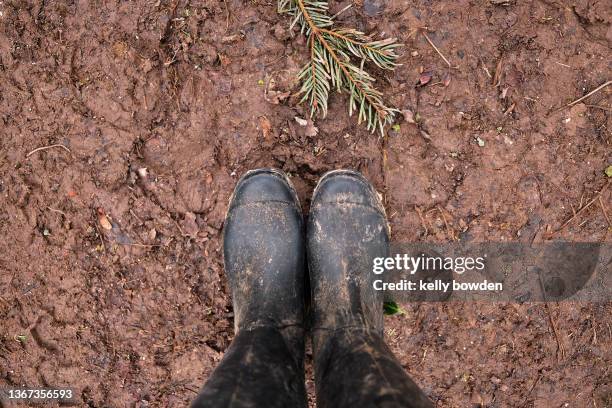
(134, 310)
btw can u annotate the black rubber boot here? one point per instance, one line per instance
(347, 229)
(264, 253)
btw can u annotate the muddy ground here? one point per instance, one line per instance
(111, 275)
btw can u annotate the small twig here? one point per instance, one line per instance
(47, 147)
(535, 383)
(599, 88)
(560, 347)
(227, 16)
(56, 211)
(531, 389)
(435, 48)
(269, 64)
(179, 228)
(342, 11)
(424, 355)
(423, 222)
(191, 389)
(135, 216)
(582, 209)
(486, 70)
(100, 236)
(497, 76)
(140, 245)
(414, 32)
(563, 65)
(172, 61)
(605, 213)
(448, 228)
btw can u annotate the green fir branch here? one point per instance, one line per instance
(382, 53)
(315, 11)
(331, 64)
(315, 79)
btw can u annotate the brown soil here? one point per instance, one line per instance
(139, 314)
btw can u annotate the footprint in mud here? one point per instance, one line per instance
(42, 334)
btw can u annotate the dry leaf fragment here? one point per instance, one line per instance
(496, 81)
(408, 116)
(447, 79)
(300, 121)
(103, 220)
(224, 60)
(311, 129)
(276, 97)
(425, 78)
(266, 127)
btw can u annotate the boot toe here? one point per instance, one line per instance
(346, 187)
(263, 185)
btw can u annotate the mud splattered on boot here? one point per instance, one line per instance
(264, 256)
(347, 229)
(263, 245)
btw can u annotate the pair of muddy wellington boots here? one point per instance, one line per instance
(266, 250)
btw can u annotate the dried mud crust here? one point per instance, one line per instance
(138, 314)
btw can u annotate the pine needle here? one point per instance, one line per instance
(331, 65)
